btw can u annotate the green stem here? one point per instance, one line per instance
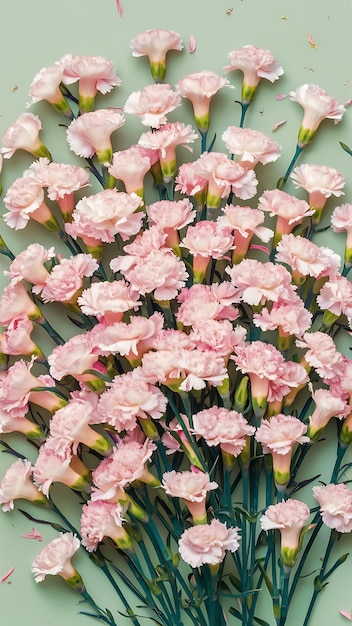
(319, 581)
(282, 181)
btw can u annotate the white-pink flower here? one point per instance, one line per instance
(250, 146)
(152, 104)
(60, 179)
(306, 258)
(222, 427)
(17, 484)
(207, 543)
(55, 558)
(130, 340)
(317, 106)
(204, 302)
(66, 279)
(155, 44)
(131, 166)
(327, 405)
(289, 517)
(257, 282)
(319, 181)
(335, 503)
(335, 296)
(255, 63)
(24, 199)
(94, 73)
(200, 88)
(108, 301)
(288, 209)
(166, 139)
(59, 466)
(30, 265)
(101, 519)
(73, 357)
(192, 487)
(91, 132)
(24, 135)
(16, 339)
(224, 175)
(321, 353)
(15, 302)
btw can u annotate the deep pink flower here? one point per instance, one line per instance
(207, 543)
(335, 503)
(317, 106)
(155, 44)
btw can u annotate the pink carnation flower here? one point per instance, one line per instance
(46, 86)
(192, 487)
(206, 240)
(320, 182)
(250, 146)
(90, 134)
(152, 104)
(65, 280)
(24, 199)
(317, 106)
(16, 339)
(73, 358)
(207, 543)
(24, 135)
(200, 88)
(289, 211)
(103, 519)
(290, 518)
(257, 282)
(59, 467)
(305, 258)
(217, 336)
(188, 181)
(335, 503)
(55, 559)
(321, 353)
(130, 340)
(15, 302)
(17, 484)
(245, 223)
(155, 44)
(206, 302)
(327, 405)
(108, 301)
(106, 214)
(166, 139)
(291, 318)
(335, 297)
(255, 63)
(30, 265)
(131, 166)
(341, 220)
(170, 217)
(222, 427)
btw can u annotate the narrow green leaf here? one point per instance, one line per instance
(345, 148)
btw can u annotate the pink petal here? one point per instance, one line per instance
(312, 42)
(254, 246)
(347, 104)
(33, 535)
(346, 614)
(276, 126)
(192, 44)
(281, 96)
(119, 7)
(6, 576)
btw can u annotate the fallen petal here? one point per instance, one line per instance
(119, 7)
(281, 96)
(312, 42)
(276, 126)
(32, 535)
(192, 44)
(7, 575)
(346, 614)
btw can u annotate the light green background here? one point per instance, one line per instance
(36, 33)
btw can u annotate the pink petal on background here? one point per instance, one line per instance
(346, 614)
(119, 7)
(7, 575)
(281, 96)
(276, 126)
(32, 535)
(312, 42)
(192, 44)
(348, 103)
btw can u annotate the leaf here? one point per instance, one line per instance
(268, 582)
(212, 143)
(54, 525)
(337, 564)
(345, 148)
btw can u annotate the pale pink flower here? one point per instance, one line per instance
(317, 106)
(289, 517)
(29, 265)
(55, 558)
(130, 397)
(256, 282)
(218, 336)
(205, 302)
(160, 272)
(101, 519)
(171, 443)
(320, 182)
(150, 239)
(222, 427)
(17, 484)
(289, 210)
(127, 463)
(278, 436)
(15, 421)
(207, 543)
(321, 353)
(335, 503)
(255, 63)
(59, 467)
(130, 340)
(15, 302)
(200, 88)
(171, 339)
(73, 358)
(155, 44)
(206, 240)
(152, 104)
(65, 280)
(108, 301)
(192, 487)
(94, 73)
(106, 214)
(171, 216)
(341, 220)
(24, 135)
(250, 146)
(327, 405)
(46, 86)
(305, 258)
(24, 199)
(16, 339)
(131, 166)
(292, 318)
(188, 181)
(91, 132)
(335, 297)
(166, 139)
(245, 222)
(223, 176)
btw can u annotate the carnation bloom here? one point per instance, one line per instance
(65, 280)
(24, 135)
(321, 353)
(108, 301)
(320, 182)
(222, 427)
(290, 318)
(166, 140)
(170, 217)
(94, 73)
(15, 302)
(24, 199)
(317, 106)
(207, 543)
(341, 220)
(16, 339)
(90, 134)
(335, 299)
(204, 302)
(255, 63)
(131, 166)
(218, 336)
(327, 405)
(250, 146)
(55, 559)
(152, 104)
(46, 86)
(62, 467)
(106, 214)
(101, 519)
(289, 211)
(188, 181)
(206, 240)
(257, 282)
(155, 44)
(335, 503)
(306, 258)
(130, 340)
(17, 484)
(245, 223)
(290, 517)
(200, 88)
(278, 436)
(29, 265)
(73, 358)
(192, 487)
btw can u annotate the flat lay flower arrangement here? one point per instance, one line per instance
(202, 367)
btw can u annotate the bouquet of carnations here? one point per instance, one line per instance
(194, 364)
